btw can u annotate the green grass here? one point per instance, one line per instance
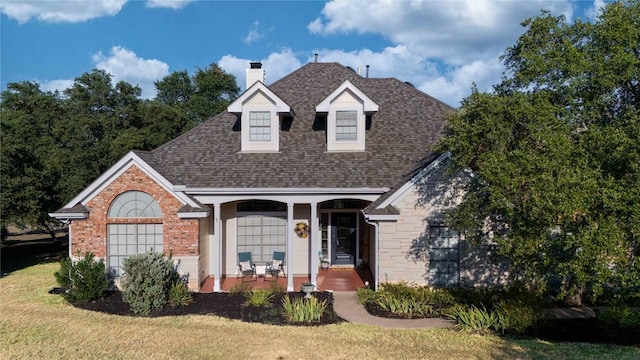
(34, 324)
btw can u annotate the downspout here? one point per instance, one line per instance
(376, 232)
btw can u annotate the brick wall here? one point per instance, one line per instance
(180, 236)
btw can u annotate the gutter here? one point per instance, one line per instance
(376, 255)
(253, 191)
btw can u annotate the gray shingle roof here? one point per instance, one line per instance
(401, 136)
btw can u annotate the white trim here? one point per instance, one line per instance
(386, 217)
(119, 168)
(280, 105)
(193, 215)
(69, 216)
(251, 191)
(398, 193)
(367, 103)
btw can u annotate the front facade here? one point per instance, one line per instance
(325, 165)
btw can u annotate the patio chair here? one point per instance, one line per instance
(275, 267)
(246, 267)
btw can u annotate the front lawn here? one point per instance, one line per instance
(35, 324)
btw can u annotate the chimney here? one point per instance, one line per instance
(315, 57)
(255, 73)
(367, 76)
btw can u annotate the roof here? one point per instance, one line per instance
(401, 135)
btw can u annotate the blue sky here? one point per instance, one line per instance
(441, 47)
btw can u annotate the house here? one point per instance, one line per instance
(322, 162)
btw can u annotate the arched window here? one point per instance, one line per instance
(126, 239)
(135, 204)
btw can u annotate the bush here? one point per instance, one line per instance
(259, 298)
(84, 280)
(519, 316)
(179, 294)
(478, 320)
(365, 295)
(621, 316)
(302, 310)
(147, 281)
(404, 300)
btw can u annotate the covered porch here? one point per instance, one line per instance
(333, 279)
(334, 235)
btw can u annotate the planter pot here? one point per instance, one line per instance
(307, 290)
(324, 265)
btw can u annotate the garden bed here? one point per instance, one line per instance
(227, 305)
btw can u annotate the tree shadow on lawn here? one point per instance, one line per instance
(21, 251)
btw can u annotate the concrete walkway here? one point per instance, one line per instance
(346, 306)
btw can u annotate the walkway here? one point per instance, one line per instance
(346, 306)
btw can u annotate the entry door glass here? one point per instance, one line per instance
(343, 238)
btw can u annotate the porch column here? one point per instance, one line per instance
(290, 247)
(313, 233)
(215, 253)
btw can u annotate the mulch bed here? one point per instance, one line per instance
(231, 306)
(589, 330)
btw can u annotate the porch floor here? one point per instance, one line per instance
(335, 279)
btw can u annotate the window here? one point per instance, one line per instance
(346, 125)
(134, 204)
(259, 126)
(124, 240)
(444, 257)
(130, 239)
(262, 229)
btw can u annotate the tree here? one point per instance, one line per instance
(27, 177)
(208, 92)
(556, 154)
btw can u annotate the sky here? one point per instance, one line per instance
(441, 47)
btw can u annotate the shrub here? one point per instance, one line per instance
(477, 320)
(84, 280)
(179, 294)
(303, 310)
(409, 301)
(147, 280)
(365, 295)
(621, 316)
(519, 315)
(259, 298)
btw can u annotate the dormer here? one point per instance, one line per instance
(347, 109)
(259, 110)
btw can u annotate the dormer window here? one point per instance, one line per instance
(347, 109)
(259, 110)
(346, 125)
(259, 126)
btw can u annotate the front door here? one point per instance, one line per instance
(343, 238)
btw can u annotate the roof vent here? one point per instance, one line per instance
(367, 72)
(315, 57)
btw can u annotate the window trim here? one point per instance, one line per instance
(353, 124)
(266, 117)
(433, 271)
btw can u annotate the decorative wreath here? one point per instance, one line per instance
(302, 230)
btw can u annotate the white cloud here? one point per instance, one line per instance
(60, 11)
(595, 10)
(171, 4)
(255, 33)
(276, 65)
(56, 85)
(454, 32)
(125, 65)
